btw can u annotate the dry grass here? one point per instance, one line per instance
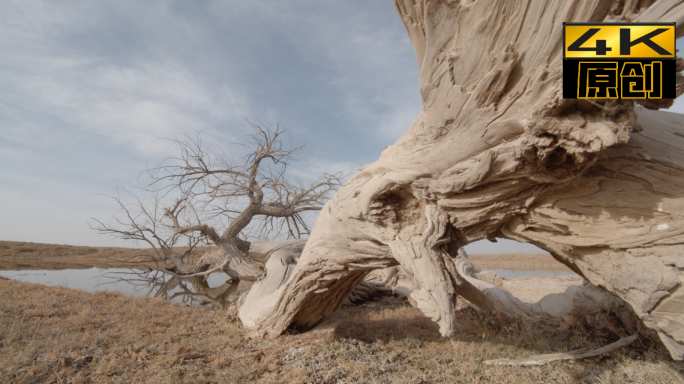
(50, 335)
(518, 261)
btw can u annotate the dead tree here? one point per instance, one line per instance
(497, 152)
(217, 200)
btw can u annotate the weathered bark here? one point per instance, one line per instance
(497, 152)
(279, 260)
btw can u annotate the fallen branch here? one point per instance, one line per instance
(205, 273)
(573, 355)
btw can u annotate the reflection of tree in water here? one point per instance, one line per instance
(194, 291)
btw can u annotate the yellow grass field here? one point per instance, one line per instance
(61, 335)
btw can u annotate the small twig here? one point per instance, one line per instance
(572, 355)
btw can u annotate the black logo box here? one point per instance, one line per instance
(571, 73)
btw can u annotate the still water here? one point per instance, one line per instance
(212, 291)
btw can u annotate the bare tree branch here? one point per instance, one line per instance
(219, 201)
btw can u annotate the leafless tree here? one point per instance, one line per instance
(141, 220)
(219, 201)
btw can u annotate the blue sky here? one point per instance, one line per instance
(87, 88)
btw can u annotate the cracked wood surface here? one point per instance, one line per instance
(497, 152)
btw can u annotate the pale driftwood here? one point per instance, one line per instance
(568, 298)
(497, 152)
(280, 260)
(572, 355)
(577, 302)
(261, 251)
(397, 279)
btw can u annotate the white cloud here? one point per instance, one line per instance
(373, 68)
(363, 60)
(51, 69)
(128, 105)
(87, 88)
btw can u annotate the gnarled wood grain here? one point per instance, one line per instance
(497, 152)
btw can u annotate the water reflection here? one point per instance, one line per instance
(216, 290)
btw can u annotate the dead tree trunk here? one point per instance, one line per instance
(497, 152)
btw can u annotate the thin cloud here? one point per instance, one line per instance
(88, 89)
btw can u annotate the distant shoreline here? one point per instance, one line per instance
(18, 255)
(519, 262)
